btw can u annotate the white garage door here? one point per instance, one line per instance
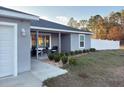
(6, 50)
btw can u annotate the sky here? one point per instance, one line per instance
(62, 14)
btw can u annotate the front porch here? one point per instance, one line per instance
(48, 39)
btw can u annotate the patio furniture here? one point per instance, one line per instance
(39, 50)
(54, 49)
(45, 50)
(33, 51)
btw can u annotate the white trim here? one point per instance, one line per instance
(15, 73)
(37, 46)
(16, 51)
(60, 42)
(79, 40)
(14, 14)
(60, 30)
(50, 42)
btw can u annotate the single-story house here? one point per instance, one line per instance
(20, 31)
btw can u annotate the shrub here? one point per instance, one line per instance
(51, 56)
(92, 49)
(72, 52)
(62, 54)
(72, 61)
(64, 59)
(67, 54)
(87, 50)
(76, 52)
(84, 51)
(80, 51)
(57, 57)
(56, 53)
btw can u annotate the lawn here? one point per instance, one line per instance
(97, 69)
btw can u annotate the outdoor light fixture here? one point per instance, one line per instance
(23, 32)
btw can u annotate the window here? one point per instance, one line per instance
(44, 40)
(81, 41)
(33, 35)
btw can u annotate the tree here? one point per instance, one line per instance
(115, 18)
(83, 24)
(115, 33)
(98, 27)
(91, 26)
(72, 23)
(109, 27)
(122, 21)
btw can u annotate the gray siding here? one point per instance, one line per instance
(87, 41)
(65, 42)
(75, 42)
(54, 40)
(24, 59)
(70, 42)
(24, 47)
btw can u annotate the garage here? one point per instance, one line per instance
(15, 41)
(8, 49)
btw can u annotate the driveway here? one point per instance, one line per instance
(39, 72)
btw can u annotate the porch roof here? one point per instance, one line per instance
(48, 25)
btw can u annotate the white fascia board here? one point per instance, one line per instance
(13, 14)
(60, 30)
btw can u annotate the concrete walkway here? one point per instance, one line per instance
(40, 71)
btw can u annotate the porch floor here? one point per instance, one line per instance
(40, 71)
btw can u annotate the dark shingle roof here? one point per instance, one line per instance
(49, 24)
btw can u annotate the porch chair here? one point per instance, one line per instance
(45, 50)
(54, 49)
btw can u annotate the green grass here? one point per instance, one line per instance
(101, 68)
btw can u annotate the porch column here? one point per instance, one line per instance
(59, 42)
(37, 34)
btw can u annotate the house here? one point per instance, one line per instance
(20, 31)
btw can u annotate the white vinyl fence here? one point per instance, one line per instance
(104, 44)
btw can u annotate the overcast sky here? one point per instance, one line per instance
(61, 14)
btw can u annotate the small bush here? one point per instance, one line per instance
(84, 51)
(51, 56)
(62, 54)
(92, 49)
(56, 53)
(76, 52)
(80, 51)
(72, 53)
(57, 57)
(87, 51)
(64, 59)
(72, 61)
(67, 54)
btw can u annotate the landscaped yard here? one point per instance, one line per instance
(101, 68)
